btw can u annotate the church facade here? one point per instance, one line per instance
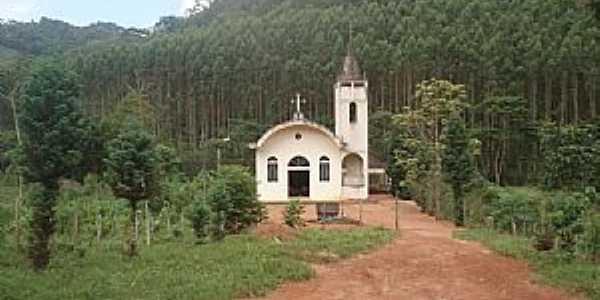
(301, 159)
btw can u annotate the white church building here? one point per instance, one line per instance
(301, 159)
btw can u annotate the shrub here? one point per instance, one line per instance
(514, 209)
(200, 216)
(589, 244)
(565, 217)
(292, 215)
(231, 195)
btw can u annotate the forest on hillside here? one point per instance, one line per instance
(135, 141)
(230, 70)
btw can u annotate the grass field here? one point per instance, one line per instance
(240, 266)
(554, 268)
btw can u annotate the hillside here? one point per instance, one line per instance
(231, 69)
(50, 36)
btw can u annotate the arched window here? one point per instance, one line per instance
(272, 169)
(299, 161)
(352, 112)
(324, 169)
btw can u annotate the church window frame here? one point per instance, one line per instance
(272, 169)
(299, 161)
(324, 169)
(353, 112)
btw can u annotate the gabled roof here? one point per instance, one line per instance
(303, 123)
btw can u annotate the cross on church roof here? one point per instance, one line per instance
(298, 115)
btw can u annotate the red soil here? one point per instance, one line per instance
(423, 262)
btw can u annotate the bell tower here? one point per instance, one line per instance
(352, 127)
(352, 107)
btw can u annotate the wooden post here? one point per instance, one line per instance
(147, 223)
(137, 226)
(17, 212)
(514, 227)
(76, 228)
(396, 217)
(360, 211)
(168, 220)
(98, 227)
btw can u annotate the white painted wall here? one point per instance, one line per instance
(283, 145)
(354, 135)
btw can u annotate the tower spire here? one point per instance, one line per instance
(350, 70)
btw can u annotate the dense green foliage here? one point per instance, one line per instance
(53, 133)
(231, 196)
(420, 155)
(571, 156)
(132, 171)
(558, 221)
(49, 36)
(458, 165)
(238, 62)
(551, 267)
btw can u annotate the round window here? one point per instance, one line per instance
(298, 136)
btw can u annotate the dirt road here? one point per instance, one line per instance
(424, 262)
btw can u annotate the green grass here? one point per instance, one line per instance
(554, 268)
(322, 246)
(239, 266)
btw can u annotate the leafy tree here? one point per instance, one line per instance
(53, 129)
(458, 165)
(131, 171)
(437, 101)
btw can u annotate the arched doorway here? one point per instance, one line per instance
(352, 169)
(299, 177)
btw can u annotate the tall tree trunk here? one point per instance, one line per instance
(548, 97)
(563, 97)
(593, 100)
(534, 100)
(576, 98)
(11, 98)
(133, 227)
(42, 225)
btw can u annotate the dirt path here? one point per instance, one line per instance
(423, 263)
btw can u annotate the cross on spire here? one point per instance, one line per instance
(298, 101)
(350, 38)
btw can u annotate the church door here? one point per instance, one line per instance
(299, 184)
(299, 177)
